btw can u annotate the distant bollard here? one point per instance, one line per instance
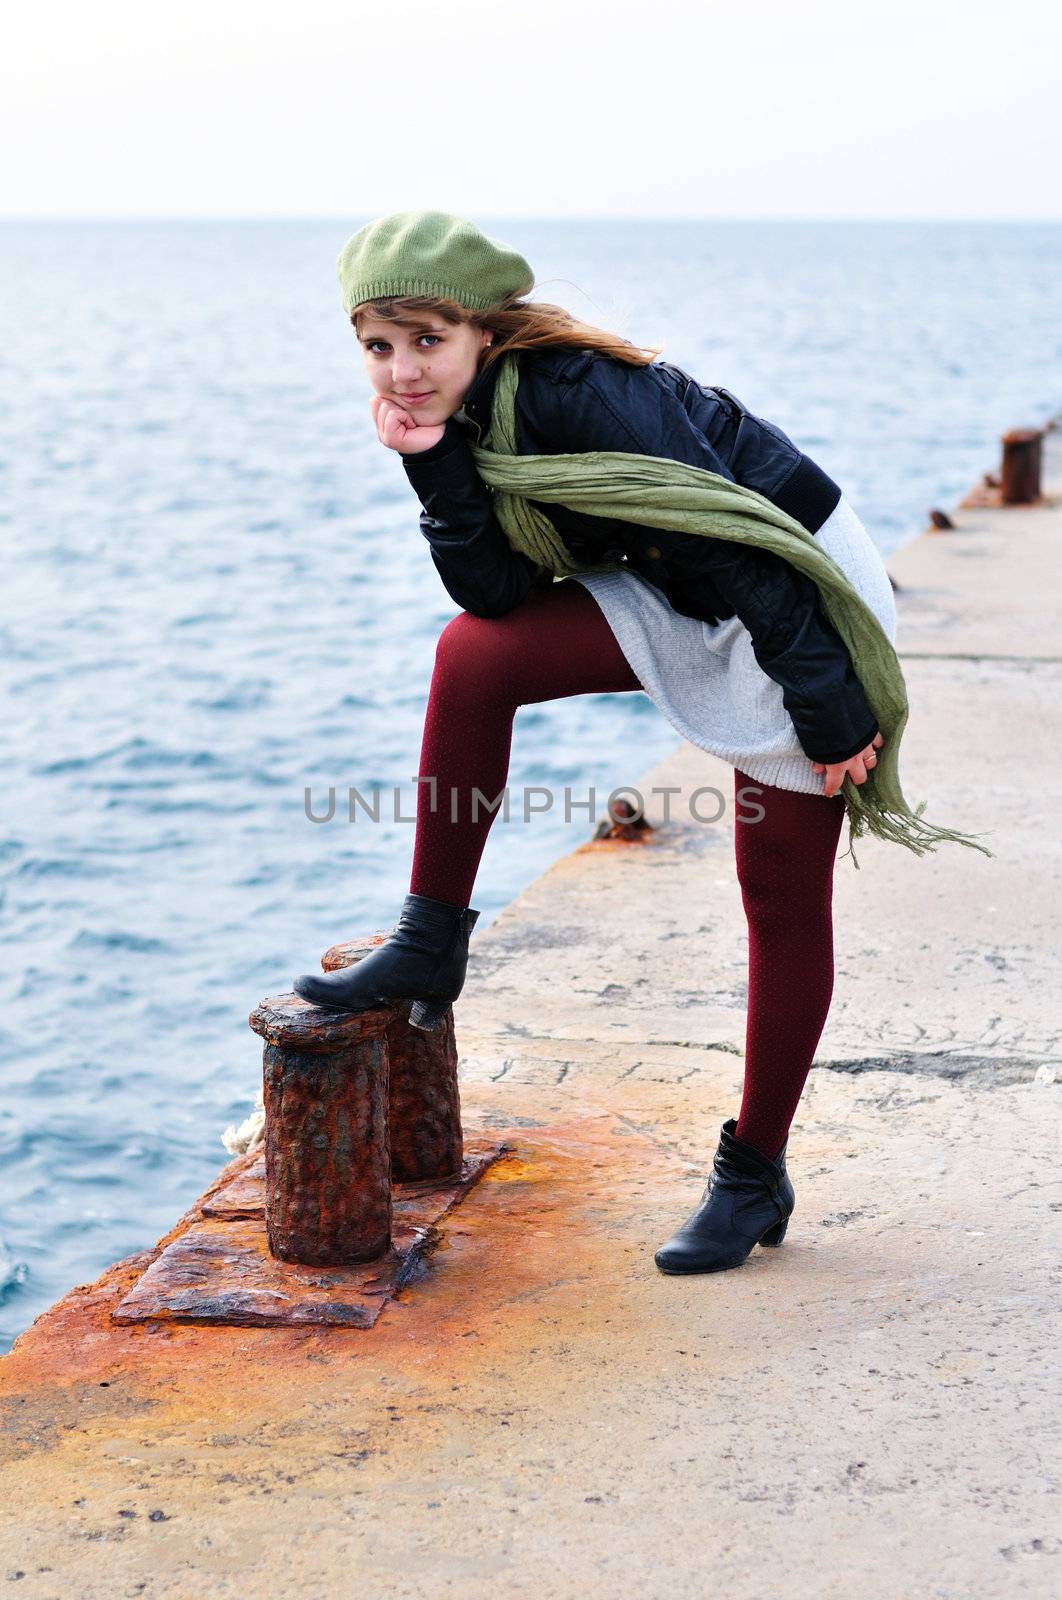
(327, 1157)
(424, 1104)
(624, 822)
(1020, 476)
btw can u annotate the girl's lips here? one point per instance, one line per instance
(415, 399)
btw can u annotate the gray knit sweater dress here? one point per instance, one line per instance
(704, 676)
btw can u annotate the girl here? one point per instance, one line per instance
(729, 641)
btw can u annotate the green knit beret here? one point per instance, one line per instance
(429, 252)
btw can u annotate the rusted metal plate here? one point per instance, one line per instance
(219, 1270)
(244, 1196)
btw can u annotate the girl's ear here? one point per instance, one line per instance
(486, 337)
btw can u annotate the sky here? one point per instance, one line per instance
(783, 108)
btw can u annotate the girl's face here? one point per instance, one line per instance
(426, 366)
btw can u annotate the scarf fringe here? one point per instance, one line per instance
(898, 825)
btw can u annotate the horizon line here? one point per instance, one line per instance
(514, 216)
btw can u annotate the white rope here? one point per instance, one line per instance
(250, 1133)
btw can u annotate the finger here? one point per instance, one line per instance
(400, 420)
(857, 770)
(395, 426)
(877, 741)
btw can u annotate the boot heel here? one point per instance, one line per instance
(428, 1014)
(775, 1235)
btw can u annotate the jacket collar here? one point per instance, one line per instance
(476, 406)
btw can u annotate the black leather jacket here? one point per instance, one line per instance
(578, 400)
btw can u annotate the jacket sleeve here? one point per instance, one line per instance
(479, 568)
(792, 639)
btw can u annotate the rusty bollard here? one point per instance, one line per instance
(624, 822)
(327, 1156)
(1020, 476)
(424, 1103)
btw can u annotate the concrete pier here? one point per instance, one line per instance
(872, 1409)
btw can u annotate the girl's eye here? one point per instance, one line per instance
(381, 346)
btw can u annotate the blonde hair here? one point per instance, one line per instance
(518, 325)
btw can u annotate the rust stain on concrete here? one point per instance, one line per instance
(215, 1432)
(537, 1229)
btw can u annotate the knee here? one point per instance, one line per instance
(471, 650)
(761, 871)
(457, 638)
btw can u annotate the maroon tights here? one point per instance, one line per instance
(558, 643)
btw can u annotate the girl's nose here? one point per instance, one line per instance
(405, 366)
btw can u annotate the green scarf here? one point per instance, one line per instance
(659, 493)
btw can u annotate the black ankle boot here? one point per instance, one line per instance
(748, 1201)
(424, 960)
